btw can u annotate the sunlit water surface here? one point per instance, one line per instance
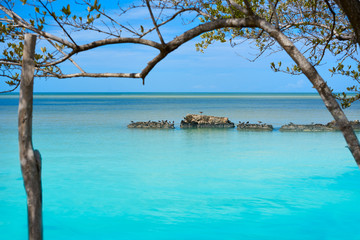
(104, 181)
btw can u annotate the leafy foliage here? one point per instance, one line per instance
(318, 27)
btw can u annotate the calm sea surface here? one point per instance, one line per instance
(104, 181)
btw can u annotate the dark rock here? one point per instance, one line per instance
(246, 126)
(355, 125)
(306, 128)
(204, 121)
(152, 124)
(331, 126)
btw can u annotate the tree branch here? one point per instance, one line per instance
(172, 18)
(70, 59)
(104, 42)
(13, 89)
(154, 22)
(172, 45)
(6, 62)
(331, 30)
(209, 26)
(238, 7)
(274, 13)
(54, 17)
(248, 7)
(22, 23)
(94, 75)
(119, 40)
(112, 20)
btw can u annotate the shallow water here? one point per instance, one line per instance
(104, 181)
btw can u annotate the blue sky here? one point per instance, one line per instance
(220, 69)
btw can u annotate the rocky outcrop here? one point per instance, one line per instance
(331, 126)
(152, 124)
(204, 121)
(246, 126)
(355, 125)
(291, 127)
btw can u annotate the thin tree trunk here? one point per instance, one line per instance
(320, 85)
(30, 159)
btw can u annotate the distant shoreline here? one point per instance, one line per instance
(171, 95)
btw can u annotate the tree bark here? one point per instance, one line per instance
(351, 9)
(319, 84)
(30, 159)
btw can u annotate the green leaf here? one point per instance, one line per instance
(10, 83)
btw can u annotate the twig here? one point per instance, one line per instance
(154, 22)
(54, 17)
(331, 31)
(11, 90)
(248, 7)
(274, 13)
(70, 59)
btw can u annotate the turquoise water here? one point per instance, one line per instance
(104, 181)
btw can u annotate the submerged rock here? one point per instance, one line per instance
(246, 126)
(204, 121)
(152, 124)
(291, 127)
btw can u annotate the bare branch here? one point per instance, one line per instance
(2, 61)
(171, 46)
(343, 37)
(113, 21)
(152, 64)
(70, 59)
(172, 18)
(154, 22)
(60, 25)
(119, 40)
(192, 33)
(66, 57)
(95, 75)
(209, 26)
(104, 42)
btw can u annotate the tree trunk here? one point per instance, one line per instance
(30, 159)
(319, 84)
(351, 9)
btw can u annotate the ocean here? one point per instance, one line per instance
(102, 180)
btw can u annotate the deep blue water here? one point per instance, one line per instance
(104, 181)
